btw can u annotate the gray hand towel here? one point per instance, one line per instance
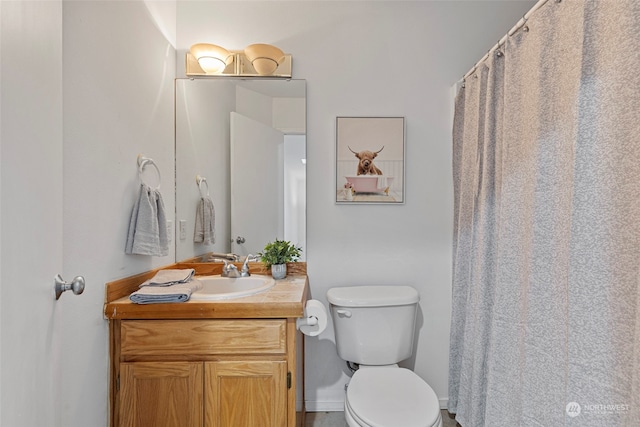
(165, 294)
(148, 225)
(204, 231)
(170, 277)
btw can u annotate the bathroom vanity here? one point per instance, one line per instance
(235, 362)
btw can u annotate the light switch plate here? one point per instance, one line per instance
(183, 229)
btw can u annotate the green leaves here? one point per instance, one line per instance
(279, 252)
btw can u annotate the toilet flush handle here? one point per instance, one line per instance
(343, 313)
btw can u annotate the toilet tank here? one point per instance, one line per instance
(374, 325)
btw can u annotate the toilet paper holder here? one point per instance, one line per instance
(306, 321)
(314, 319)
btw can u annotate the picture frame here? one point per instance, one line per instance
(370, 158)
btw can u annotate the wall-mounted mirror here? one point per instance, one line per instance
(247, 139)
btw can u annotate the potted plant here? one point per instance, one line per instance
(277, 254)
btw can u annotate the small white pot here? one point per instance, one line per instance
(279, 271)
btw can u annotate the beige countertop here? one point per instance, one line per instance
(285, 299)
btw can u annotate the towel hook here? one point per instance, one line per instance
(142, 163)
(199, 181)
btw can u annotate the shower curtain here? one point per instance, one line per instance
(545, 324)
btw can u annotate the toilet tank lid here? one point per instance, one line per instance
(372, 296)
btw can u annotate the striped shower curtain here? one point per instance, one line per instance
(546, 284)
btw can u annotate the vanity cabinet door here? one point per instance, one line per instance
(246, 394)
(161, 394)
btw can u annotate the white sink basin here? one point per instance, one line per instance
(218, 287)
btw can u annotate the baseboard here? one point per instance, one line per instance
(313, 406)
(444, 402)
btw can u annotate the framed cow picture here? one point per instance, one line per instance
(369, 160)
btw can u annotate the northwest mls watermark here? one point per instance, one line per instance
(574, 409)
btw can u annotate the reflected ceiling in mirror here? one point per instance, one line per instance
(247, 138)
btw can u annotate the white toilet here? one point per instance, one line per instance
(374, 328)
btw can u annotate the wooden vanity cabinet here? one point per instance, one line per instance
(204, 372)
(245, 393)
(161, 394)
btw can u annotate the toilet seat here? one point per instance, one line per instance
(391, 397)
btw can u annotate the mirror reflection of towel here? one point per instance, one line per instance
(204, 231)
(148, 225)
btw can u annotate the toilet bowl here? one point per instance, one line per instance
(390, 397)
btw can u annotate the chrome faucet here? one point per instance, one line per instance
(229, 270)
(245, 265)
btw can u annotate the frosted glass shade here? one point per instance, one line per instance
(265, 58)
(213, 59)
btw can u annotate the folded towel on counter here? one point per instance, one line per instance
(148, 225)
(170, 277)
(204, 231)
(164, 294)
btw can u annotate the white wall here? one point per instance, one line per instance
(86, 86)
(383, 58)
(118, 103)
(116, 106)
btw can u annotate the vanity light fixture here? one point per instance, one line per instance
(265, 58)
(212, 59)
(256, 60)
